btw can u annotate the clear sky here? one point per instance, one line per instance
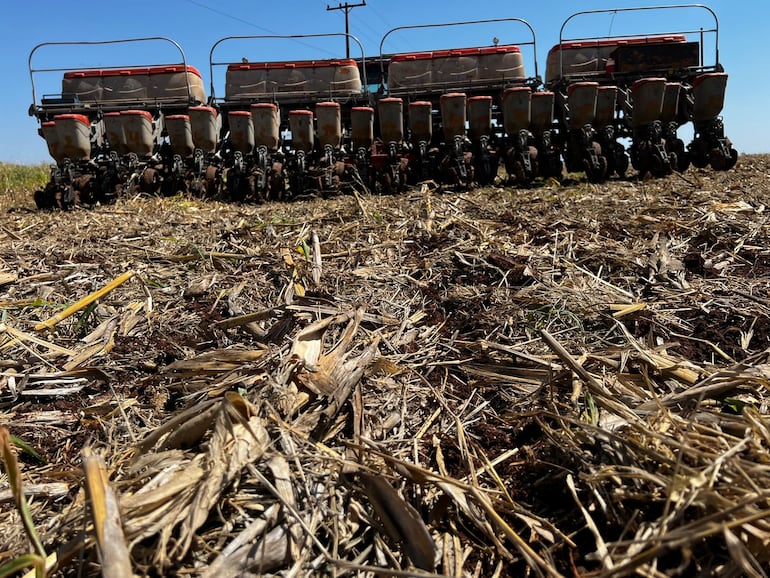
(197, 25)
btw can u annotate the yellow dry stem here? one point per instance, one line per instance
(621, 310)
(84, 302)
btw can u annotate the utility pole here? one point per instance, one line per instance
(347, 8)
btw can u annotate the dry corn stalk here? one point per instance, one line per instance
(84, 302)
(105, 515)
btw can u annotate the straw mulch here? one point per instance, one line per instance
(558, 381)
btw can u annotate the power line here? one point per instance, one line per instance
(388, 25)
(347, 8)
(360, 25)
(231, 16)
(257, 26)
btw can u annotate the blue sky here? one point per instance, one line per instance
(197, 24)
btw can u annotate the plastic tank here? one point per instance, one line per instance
(516, 109)
(347, 77)
(391, 119)
(502, 61)
(606, 98)
(421, 121)
(171, 82)
(74, 136)
(362, 126)
(453, 114)
(329, 119)
(48, 131)
(85, 84)
(647, 98)
(204, 123)
(113, 128)
(410, 70)
(301, 126)
(480, 116)
(541, 111)
(267, 122)
(708, 92)
(137, 127)
(459, 66)
(180, 133)
(671, 101)
(125, 84)
(241, 131)
(581, 98)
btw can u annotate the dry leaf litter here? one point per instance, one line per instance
(566, 380)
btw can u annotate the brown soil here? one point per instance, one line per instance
(538, 376)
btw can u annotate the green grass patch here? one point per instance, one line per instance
(19, 182)
(23, 177)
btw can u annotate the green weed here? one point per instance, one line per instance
(38, 557)
(23, 177)
(19, 182)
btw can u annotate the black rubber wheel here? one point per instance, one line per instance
(519, 173)
(698, 155)
(621, 162)
(718, 160)
(601, 170)
(673, 162)
(699, 162)
(535, 170)
(588, 169)
(196, 188)
(660, 167)
(44, 200)
(595, 174)
(236, 189)
(386, 183)
(150, 182)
